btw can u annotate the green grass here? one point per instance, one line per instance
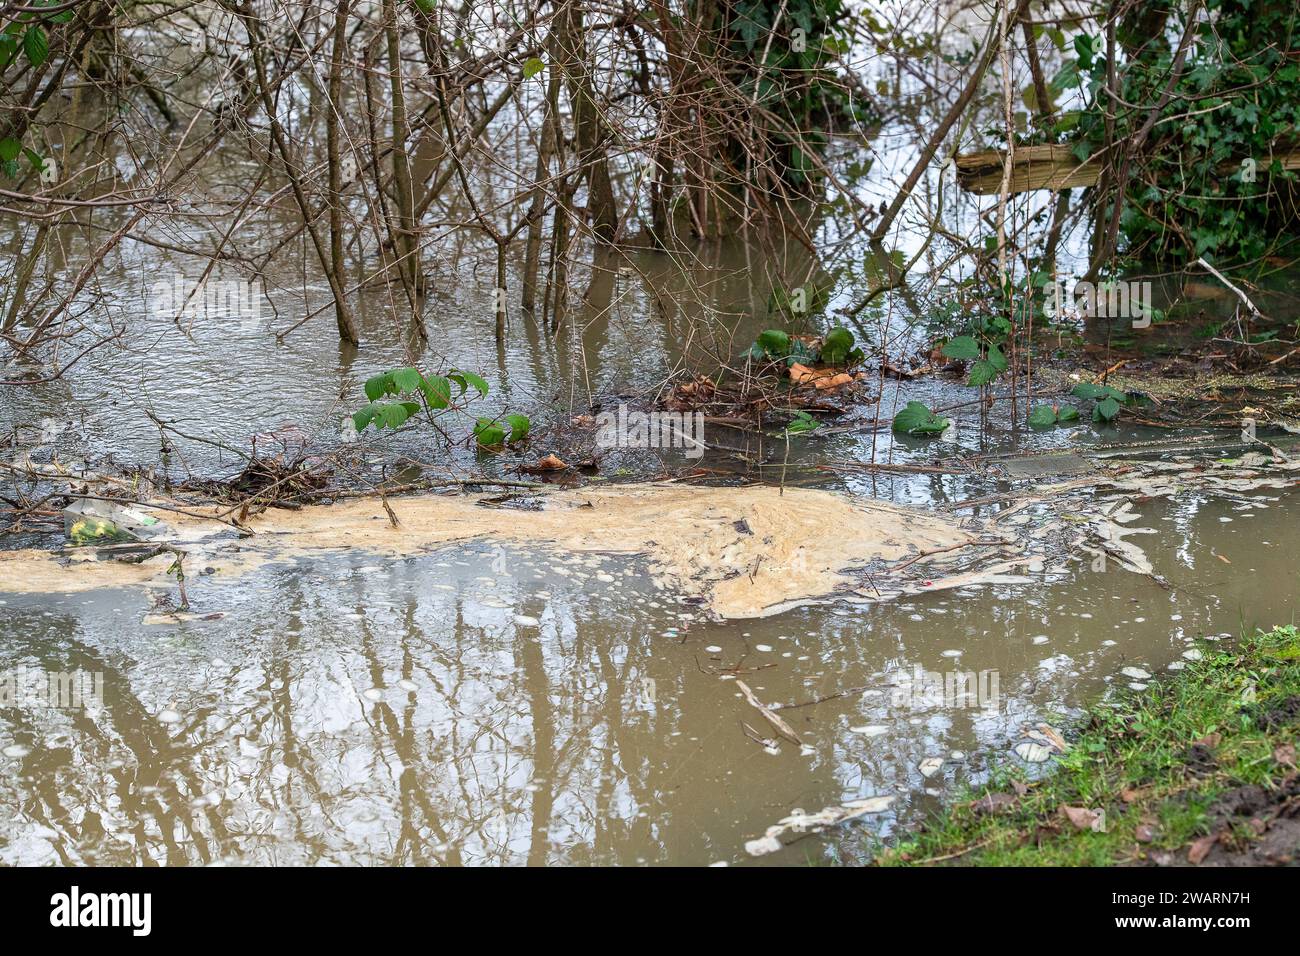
(1131, 759)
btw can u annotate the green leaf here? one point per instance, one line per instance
(405, 379)
(378, 386)
(837, 346)
(1090, 391)
(395, 414)
(475, 382)
(519, 426)
(916, 419)
(9, 149)
(426, 6)
(364, 417)
(1067, 413)
(802, 422)
(962, 347)
(997, 359)
(532, 66)
(36, 45)
(437, 391)
(488, 433)
(982, 372)
(1044, 416)
(1105, 410)
(774, 343)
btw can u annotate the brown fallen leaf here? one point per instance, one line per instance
(801, 373)
(1130, 795)
(1201, 848)
(1285, 755)
(549, 463)
(1223, 559)
(834, 381)
(1144, 833)
(1209, 740)
(993, 803)
(1084, 819)
(1054, 737)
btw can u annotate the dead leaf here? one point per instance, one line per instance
(1285, 755)
(1223, 559)
(1201, 848)
(1054, 737)
(1209, 740)
(1084, 819)
(549, 463)
(1144, 834)
(993, 803)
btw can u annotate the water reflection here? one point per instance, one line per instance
(479, 705)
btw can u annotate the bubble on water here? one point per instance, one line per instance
(408, 685)
(373, 694)
(606, 578)
(713, 649)
(1137, 685)
(1193, 654)
(765, 648)
(1107, 643)
(950, 653)
(168, 716)
(1040, 639)
(1136, 673)
(17, 751)
(523, 620)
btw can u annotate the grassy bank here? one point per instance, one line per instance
(1197, 769)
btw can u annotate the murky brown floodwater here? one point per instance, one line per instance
(486, 704)
(491, 705)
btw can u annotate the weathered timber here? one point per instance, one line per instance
(1052, 166)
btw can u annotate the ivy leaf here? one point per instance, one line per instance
(532, 66)
(962, 347)
(36, 45)
(1067, 413)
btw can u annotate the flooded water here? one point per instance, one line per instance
(493, 704)
(483, 705)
